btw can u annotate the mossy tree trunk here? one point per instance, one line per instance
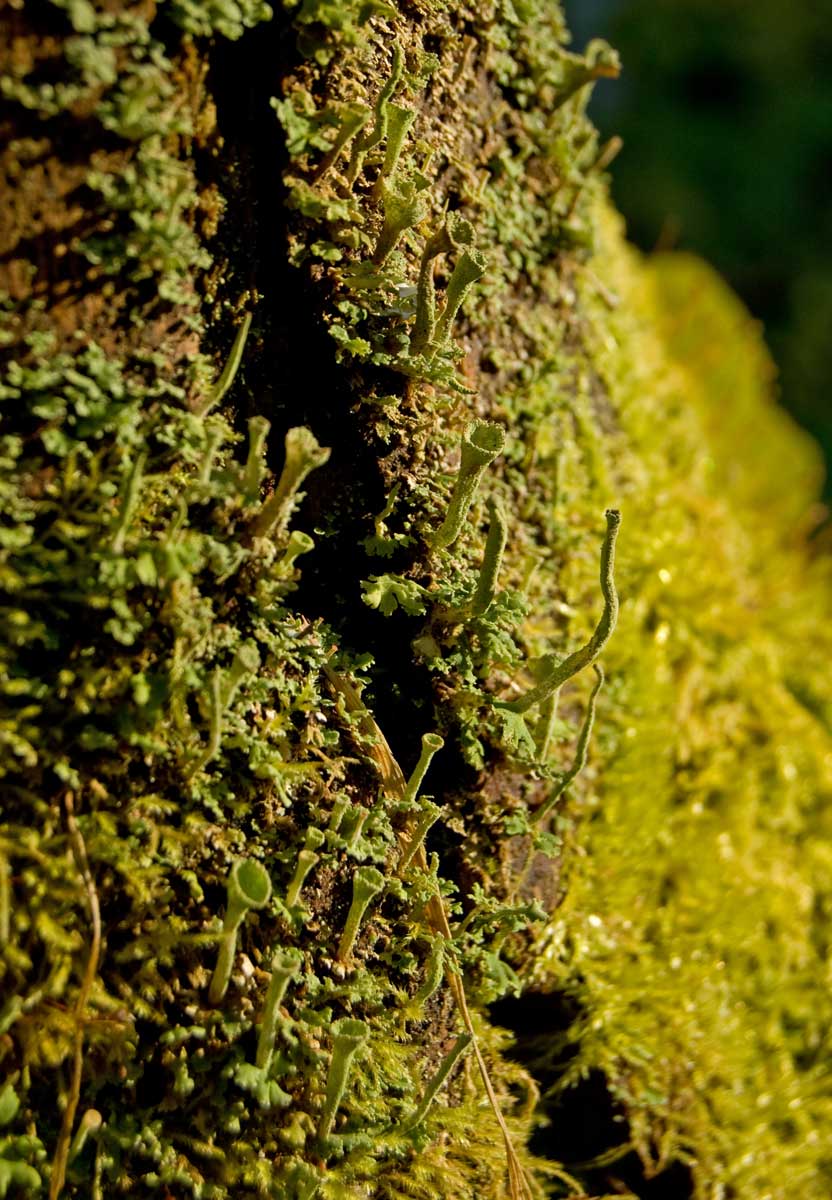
(324, 358)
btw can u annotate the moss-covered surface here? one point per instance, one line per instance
(223, 947)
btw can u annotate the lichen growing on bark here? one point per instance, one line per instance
(214, 691)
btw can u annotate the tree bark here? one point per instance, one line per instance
(323, 359)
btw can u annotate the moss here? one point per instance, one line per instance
(181, 694)
(723, 946)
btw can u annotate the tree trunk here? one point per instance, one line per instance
(324, 357)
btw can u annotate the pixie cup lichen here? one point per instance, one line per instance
(399, 120)
(285, 965)
(249, 888)
(367, 882)
(375, 136)
(307, 858)
(299, 543)
(404, 207)
(470, 267)
(431, 744)
(348, 1036)
(455, 231)
(481, 444)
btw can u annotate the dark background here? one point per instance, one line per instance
(725, 107)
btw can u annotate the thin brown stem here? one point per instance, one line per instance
(79, 853)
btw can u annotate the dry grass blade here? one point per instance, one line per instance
(378, 749)
(79, 853)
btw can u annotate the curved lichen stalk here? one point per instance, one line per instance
(366, 142)
(569, 777)
(587, 654)
(581, 750)
(459, 1048)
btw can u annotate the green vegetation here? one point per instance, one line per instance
(247, 953)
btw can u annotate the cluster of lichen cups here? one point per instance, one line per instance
(249, 889)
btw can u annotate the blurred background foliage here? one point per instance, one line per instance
(725, 108)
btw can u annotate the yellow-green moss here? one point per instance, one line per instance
(694, 931)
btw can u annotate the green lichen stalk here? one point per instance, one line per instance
(89, 1124)
(431, 744)
(454, 232)
(367, 882)
(587, 654)
(429, 814)
(307, 858)
(249, 888)
(299, 543)
(469, 268)
(366, 142)
(495, 545)
(480, 446)
(434, 973)
(258, 431)
(460, 1047)
(129, 502)
(348, 1036)
(399, 120)
(353, 120)
(581, 750)
(246, 662)
(229, 371)
(285, 966)
(403, 209)
(303, 455)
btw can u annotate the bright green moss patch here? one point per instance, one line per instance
(693, 933)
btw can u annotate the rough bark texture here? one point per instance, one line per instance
(214, 689)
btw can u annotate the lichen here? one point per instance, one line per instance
(194, 686)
